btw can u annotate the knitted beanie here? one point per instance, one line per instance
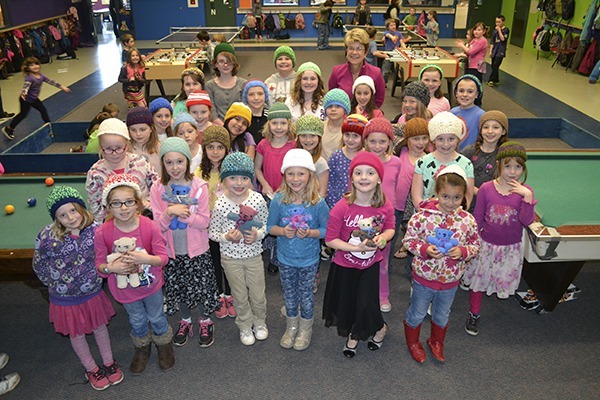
(367, 158)
(511, 149)
(453, 169)
(337, 97)
(446, 122)
(192, 71)
(255, 83)
(159, 103)
(474, 79)
(355, 123)
(418, 90)
(184, 117)
(379, 125)
(176, 144)
(237, 163)
(221, 47)
(297, 158)
(215, 133)
(494, 115)
(309, 66)
(364, 80)
(119, 180)
(309, 125)
(198, 97)
(60, 196)
(279, 110)
(139, 115)
(113, 126)
(416, 127)
(238, 109)
(285, 51)
(431, 66)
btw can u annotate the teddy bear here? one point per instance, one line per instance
(297, 218)
(122, 246)
(243, 220)
(369, 228)
(443, 240)
(180, 194)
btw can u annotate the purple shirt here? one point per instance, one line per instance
(33, 86)
(341, 78)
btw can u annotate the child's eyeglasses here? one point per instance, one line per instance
(119, 150)
(224, 62)
(119, 204)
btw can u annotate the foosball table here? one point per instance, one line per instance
(168, 64)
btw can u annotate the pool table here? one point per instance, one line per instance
(566, 185)
(19, 229)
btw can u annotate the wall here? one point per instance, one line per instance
(535, 20)
(26, 11)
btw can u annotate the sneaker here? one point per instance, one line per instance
(7, 115)
(9, 382)
(261, 332)
(9, 133)
(113, 373)
(490, 83)
(471, 325)
(230, 309)
(247, 337)
(464, 286)
(385, 306)
(98, 379)
(3, 360)
(185, 330)
(325, 253)
(221, 312)
(207, 328)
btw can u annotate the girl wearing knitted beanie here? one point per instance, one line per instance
(186, 128)
(256, 96)
(63, 260)
(431, 75)
(280, 83)
(162, 114)
(307, 92)
(237, 121)
(359, 226)
(467, 90)
(309, 130)
(144, 140)
(415, 99)
(363, 98)
(191, 79)
(337, 105)
(504, 207)
(189, 275)
(379, 138)
(199, 106)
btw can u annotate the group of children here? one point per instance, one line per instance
(184, 196)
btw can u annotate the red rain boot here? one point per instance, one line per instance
(412, 341)
(436, 341)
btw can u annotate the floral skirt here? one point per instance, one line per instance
(82, 319)
(497, 269)
(190, 281)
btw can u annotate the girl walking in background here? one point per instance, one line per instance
(133, 78)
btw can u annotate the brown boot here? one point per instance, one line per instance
(412, 341)
(142, 353)
(436, 341)
(164, 345)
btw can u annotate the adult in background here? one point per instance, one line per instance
(344, 75)
(114, 7)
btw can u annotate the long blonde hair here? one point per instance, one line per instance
(60, 231)
(311, 192)
(267, 134)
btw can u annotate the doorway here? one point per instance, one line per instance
(484, 11)
(219, 13)
(520, 19)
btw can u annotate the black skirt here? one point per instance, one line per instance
(352, 301)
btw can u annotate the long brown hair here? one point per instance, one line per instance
(455, 180)
(231, 59)
(297, 94)
(369, 107)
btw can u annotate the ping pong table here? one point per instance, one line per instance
(410, 38)
(185, 36)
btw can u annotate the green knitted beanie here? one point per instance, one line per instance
(215, 133)
(309, 66)
(511, 149)
(285, 51)
(279, 110)
(176, 144)
(309, 125)
(60, 196)
(337, 97)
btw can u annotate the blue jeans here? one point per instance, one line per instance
(595, 73)
(148, 309)
(297, 285)
(441, 304)
(323, 36)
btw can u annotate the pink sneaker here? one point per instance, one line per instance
(98, 379)
(206, 332)
(221, 312)
(230, 309)
(113, 373)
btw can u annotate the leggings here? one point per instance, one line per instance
(25, 107)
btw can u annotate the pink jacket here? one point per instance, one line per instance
(197, 230)
(476, 51)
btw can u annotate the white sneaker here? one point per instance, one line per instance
(261, 332)
(3, 360)
(9, 382)
(247, 337)
(385, 307)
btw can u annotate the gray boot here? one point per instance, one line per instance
(304, 335)
(164, 345)
(287, 340)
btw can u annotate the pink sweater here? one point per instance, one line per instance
(404, 181)
(476, 51)
(197, 230)
(390, 179)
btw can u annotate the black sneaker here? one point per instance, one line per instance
(325, 253)
(272, 268)
(207, 328)
(7, 115)
(471, 325)
(9, 133)
(181, 336)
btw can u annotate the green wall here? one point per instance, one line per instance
(535, 20)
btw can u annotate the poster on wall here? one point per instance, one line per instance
(335, 2)
(280, 2)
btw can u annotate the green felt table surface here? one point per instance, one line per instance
(19, 230)
(566, 186)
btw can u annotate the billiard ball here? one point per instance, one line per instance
(9, 209)
(49, 181)
(31, 201)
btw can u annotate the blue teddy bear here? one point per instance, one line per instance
(443, 240)
(180, 194)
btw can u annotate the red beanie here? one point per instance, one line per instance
(366, 158)
(198, 97)
(380, 125)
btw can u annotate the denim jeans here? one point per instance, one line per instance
(297, 285)
(323, 36)
(441, 304)
(148, 309)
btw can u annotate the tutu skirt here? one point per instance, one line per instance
(82, 318)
